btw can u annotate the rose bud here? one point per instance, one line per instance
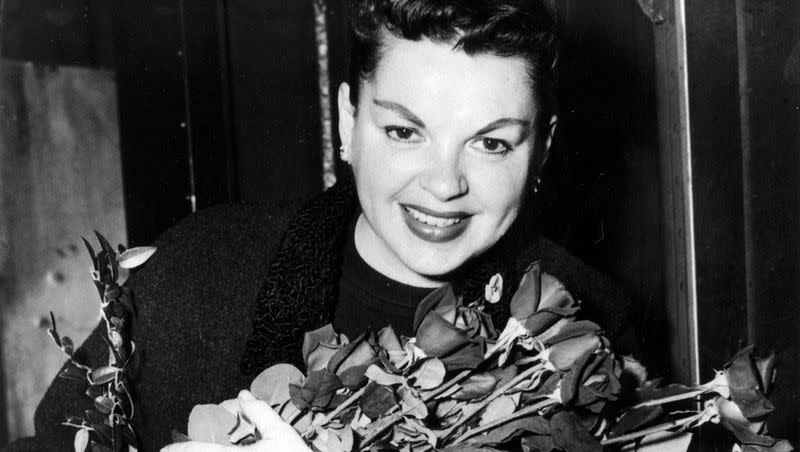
(436, 337)
(526, 299)
(387, 339)
(562, 355)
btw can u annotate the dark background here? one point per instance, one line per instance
(218, 101)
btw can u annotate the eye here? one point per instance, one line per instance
(492, 145)
(403, 134)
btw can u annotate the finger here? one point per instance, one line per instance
(198, 446)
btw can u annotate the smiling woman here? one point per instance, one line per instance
(446, 121)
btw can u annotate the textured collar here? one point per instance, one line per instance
(300, 289)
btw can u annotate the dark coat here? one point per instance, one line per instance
(224, 297)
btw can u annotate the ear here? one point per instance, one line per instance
(346, 116)
(551, 132)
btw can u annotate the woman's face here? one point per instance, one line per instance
(440, 147)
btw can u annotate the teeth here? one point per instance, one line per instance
(431, 220)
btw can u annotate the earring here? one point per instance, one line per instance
(537, 181)
(344, 153)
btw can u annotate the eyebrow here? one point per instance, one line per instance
(406, 113)
(401, 110)
(504, 122)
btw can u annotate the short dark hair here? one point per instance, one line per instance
(509, 28)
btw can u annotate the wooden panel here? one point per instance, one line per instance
(275, 96)
(769, 67)
(60, 179)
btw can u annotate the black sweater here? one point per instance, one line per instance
(224, 297)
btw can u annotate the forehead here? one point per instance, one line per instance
(426, 76)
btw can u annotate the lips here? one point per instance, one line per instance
(435, 226)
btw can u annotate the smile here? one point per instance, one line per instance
(433, 226)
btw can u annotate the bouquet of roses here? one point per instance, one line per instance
(547, 381)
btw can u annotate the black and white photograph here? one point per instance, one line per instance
(399, 225)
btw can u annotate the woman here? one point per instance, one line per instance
(446, 123)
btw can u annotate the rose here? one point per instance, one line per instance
(450, 331)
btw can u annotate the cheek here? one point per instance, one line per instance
(500, 190)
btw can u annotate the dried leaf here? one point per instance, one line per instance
(272, 385)
(388, 339)
(210, 423)
(135, 257)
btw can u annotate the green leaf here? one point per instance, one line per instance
(178, 437)
(354, 377)
(94, 417)
(81, 440)
(443, 295)
(103, 404)
(498, 408)
(382, 377)
(312, 339)
(526, 299)
(512, 430)
(429, 374)
(411, 404)
(572, 330)
(634, 419)
(67, 345)
(476, 386)
(318, 390)
(388, 339)
(135, 257)
(569, 434)
(272, 385)
(71, 372)
(377, 400)
(91, 253)
(744, 381)
(104, 374)
(210, 423)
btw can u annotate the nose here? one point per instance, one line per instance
(444, 177)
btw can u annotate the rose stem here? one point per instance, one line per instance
(515, 415)
(497, 393)
(297, 415)
(397, 416)
(674, 398)
(658, 428)
(342, 406)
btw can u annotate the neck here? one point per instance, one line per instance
(377, 255)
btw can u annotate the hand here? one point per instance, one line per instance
(277, 435)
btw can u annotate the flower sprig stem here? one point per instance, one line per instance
(535, 408)
(649, 431)
(497, 393)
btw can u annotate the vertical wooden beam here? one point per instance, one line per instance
(697, 64)
(769, 68)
